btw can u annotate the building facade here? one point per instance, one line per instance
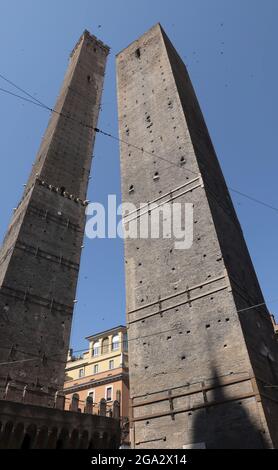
(201, 356)
(39, 266)
(40, 256)
(101, 373)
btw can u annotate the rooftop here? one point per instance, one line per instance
(106, 332)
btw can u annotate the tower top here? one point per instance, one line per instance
(156, 26)
(86, 35)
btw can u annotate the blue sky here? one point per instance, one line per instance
(230, 47)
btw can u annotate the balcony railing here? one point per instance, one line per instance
(107, 349)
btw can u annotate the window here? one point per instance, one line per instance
(96, 368)
(92, 395)
(138, 53)
(96, 349)
(111, 364)
(109, 393)
(81, 373)
(105, 346)
(115, 343)
(125, 344)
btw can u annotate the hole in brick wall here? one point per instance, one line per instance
(188, 332)
(142, 300)
(204, 256)
(140, 282)
(176, 310)
(169, 337)
(146, 367)
(139, 264)
(138, 53)
(208, 326)
(62, 190)
(219, 259)
(212, 298)
(219, 321)
(156, 176)
(189, 414)
(227, 319)
(89, 78)
(127, 131)
(131, 188)
(182, 161)
(225, 345)
(173, 269)
(182, 358)
(147, 423)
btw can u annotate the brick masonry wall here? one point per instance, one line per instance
(39, 260)
(184, 342)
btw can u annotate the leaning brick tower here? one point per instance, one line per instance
(40, 256)
(203, 360)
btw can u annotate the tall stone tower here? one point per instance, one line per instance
(203, 361)
(39, 260)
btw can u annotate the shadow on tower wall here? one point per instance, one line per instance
(227, 424)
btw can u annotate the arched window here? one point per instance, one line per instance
(115, 343)
(105, 345)
(96, 349)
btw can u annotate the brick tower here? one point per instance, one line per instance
(39, 260)
(202, 362)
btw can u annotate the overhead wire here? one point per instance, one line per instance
(118, 139)
(39, 103)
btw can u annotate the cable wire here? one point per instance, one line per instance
(44, 106)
